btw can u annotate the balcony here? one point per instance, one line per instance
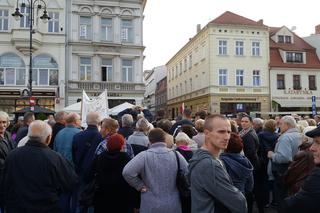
(114, 87)
(21, 38)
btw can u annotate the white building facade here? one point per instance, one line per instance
(105, 50)
(48, 73)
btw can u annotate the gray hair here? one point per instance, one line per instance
(93, 118)
(181, 136)
(39, 130)
(288, 119)
(127, 120)
(142, 125)
(258, 121)
(60, 116)
(5, 116)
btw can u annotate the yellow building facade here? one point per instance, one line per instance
(222, 69)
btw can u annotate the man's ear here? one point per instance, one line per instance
(48, 139)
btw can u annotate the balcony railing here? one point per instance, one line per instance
(109, 86)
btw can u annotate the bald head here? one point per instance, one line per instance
(40, 131)
(72, 118)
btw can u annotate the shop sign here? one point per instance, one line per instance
(298, 92)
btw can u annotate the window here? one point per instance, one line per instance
(256, 77)
(53, 25)
(45, 70)
(222, 47)
(85, 27)
(280, 39)
(296, 82)
(239, 77)
(288, 39)
(181, 90)
(4, 20)
(280, 81)
(190, 84)
(239, 47)
(294, 57)
(185, 64)
(180, 67)
(222, 77)
(177, 91)
(127, 70)
(12, 70)
(190, 61)
(255, 48)
(126, 30)
(312, 82)
(177, 70)
(24, 20)
(106, 70)
(185, 86)
(106, 29)
(85, 69)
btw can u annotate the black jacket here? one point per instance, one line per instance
(55, 130)
(307, 199)
(250, 148)
(22, 132)
(34, 177)
(113, 194)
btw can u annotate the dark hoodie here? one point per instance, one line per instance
(211, 188)
(240, 170)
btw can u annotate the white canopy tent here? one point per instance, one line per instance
(113, 111)
(73, 108)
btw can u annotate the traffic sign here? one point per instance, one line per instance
(314, 107)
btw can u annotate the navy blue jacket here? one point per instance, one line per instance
(84, 146)
(240, 171)
(267, 142)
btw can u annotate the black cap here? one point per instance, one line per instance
(313, 133)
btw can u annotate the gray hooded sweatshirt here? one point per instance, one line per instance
(211, 188)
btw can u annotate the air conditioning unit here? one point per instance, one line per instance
(117, 86)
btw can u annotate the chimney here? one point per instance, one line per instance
(198, 28)
(318, 29)
(260, 21)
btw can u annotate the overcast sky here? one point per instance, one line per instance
(168, 24)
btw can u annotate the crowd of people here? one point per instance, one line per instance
(130, 163)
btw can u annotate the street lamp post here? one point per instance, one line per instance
(45, 18)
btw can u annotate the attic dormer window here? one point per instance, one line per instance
(288, 39)
(294, 57)
(280, 39)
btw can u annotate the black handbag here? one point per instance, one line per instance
(183, 186)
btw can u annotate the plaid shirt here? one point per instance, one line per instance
(102, 147)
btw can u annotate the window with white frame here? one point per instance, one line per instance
(45, 71)
(106, 70)
(126, 30)
(256, 78)
(239, 48)
(106, 29)
(85, 28)
(85, 69)
(222, 47)
(127, 70)
(223, 77)
(239, 77)
(12, 70)
(4, 16)
(53, 24)
(24, 20)
(255, 48)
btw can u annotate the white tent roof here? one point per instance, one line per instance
(73, 108)
(113, 111)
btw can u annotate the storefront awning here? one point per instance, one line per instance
(295, 103)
